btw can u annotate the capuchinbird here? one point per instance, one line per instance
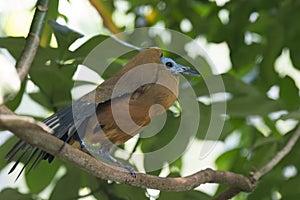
(115, 111)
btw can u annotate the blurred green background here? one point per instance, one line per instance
(254, 47)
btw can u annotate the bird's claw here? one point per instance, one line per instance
(105, 154)
(128, 168)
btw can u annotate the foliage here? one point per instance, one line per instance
(271, 27)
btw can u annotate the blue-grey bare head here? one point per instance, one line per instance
(176, 68)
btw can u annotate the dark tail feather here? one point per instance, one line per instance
(14, 150)
(27, 161)
(60, 123)
(63, 126)
(36, 160)
(17, 162)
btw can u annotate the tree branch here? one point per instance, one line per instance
(254, 177)
(105, 15)
(37, 134)
(279, 156)
(32, 41)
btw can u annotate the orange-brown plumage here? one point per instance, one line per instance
(131, 106)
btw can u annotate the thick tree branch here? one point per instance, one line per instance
(32, 41)
(37, 134)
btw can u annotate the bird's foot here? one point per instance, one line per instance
(127, 167)
(104, 152)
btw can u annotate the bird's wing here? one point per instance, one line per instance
(140, 70)
(64, 123)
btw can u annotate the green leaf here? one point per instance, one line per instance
(262, 154)
(289, 12)
(275, 38)
(289, 94)
(57, 87)
(291, 115)
(117, 64)
(227, 129)
(245, 56)
(5, 149)
(248, 105)
(13, 44)
(10, 193)
(245, 98)
(272, 126)
(177, 164)
(191, 195)
(81, 52)
(13, 104)
(93, 55)
(227, 160)
(64, 36)
(123, 192)
(174, 175)
(287, 188)
(41, 98)
(68, 186)
(294, 53)
(46, 170)
(237, 87)
(158, 149)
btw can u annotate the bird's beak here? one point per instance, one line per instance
(189, 71)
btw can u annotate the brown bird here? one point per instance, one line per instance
(115, 111)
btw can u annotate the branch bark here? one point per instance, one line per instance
(37, 134)
(33, 39)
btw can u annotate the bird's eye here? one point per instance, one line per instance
(169, 64)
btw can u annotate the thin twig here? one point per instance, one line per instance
(279, 156)
(255, 176)
(32, 41)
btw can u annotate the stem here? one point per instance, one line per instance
(32, 41)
